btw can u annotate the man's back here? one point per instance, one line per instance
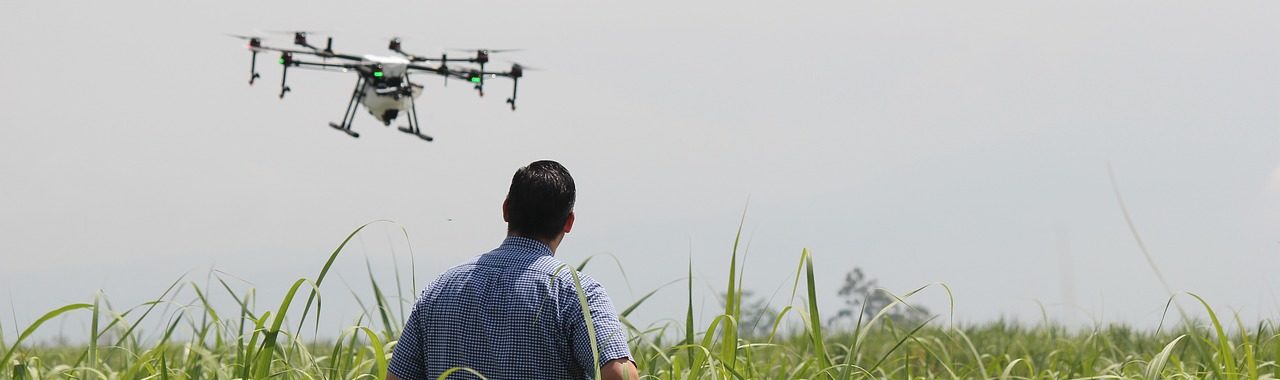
(512, 313)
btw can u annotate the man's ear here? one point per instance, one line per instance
(505, 217)
(568, 223)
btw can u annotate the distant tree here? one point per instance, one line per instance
(757, 316)
(863, 297)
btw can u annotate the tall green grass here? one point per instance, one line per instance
(198, 341)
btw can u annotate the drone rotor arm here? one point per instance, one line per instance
(416, 58)
(429, 69)
(310, 66)
(326, 66)
(342, 56)
(318, 54)
(326, 55)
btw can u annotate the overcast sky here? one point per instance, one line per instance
(957, 142)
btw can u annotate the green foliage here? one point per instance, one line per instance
(246, 343)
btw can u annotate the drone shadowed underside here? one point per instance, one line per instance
(382, 82)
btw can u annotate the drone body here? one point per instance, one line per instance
(389, 94)
(383, 85)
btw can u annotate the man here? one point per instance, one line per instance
(514, 313)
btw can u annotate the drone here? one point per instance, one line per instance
(382, 82)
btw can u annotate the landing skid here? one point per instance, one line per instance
(350, 113)
(412, 128)
(344, 130)
(354, 104)
(416, 133)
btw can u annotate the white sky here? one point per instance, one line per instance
(956, 142)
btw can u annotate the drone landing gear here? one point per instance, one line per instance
(284, 76)
(352, 107)
(412, 128)
(346, 130)
(515, 84)
(253, 66)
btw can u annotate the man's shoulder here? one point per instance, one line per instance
(461, 268)
(569, 285)
(547, 267)
(495, 261)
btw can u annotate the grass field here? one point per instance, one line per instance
(201, 342)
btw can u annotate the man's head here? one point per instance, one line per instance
(539, 204)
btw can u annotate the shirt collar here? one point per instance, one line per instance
(524, 245)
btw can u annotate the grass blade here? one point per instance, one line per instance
(1156, 365)
(815, 327)
(4, 359)
(1226, 360)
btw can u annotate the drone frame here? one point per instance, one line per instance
(367, 68)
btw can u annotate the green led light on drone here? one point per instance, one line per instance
(281, 61)
(377, 74)
(475, 79)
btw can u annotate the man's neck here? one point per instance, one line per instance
(551, 244)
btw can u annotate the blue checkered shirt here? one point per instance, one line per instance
(512, 313)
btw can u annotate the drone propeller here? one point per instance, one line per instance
(254, 44)
(517, 71)
(243, 37)
(444, 68)
(300, 39)
(481, 58)
(254, 41)
(482, 55)
(523, 67)
(295, 31)
(494, 51)
(400, 37)
(394, 44)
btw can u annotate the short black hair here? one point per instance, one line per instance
(540, 200)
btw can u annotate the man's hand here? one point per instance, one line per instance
(619, 369)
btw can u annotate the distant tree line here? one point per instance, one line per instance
(862, 299)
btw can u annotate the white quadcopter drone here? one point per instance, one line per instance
(382, 83)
